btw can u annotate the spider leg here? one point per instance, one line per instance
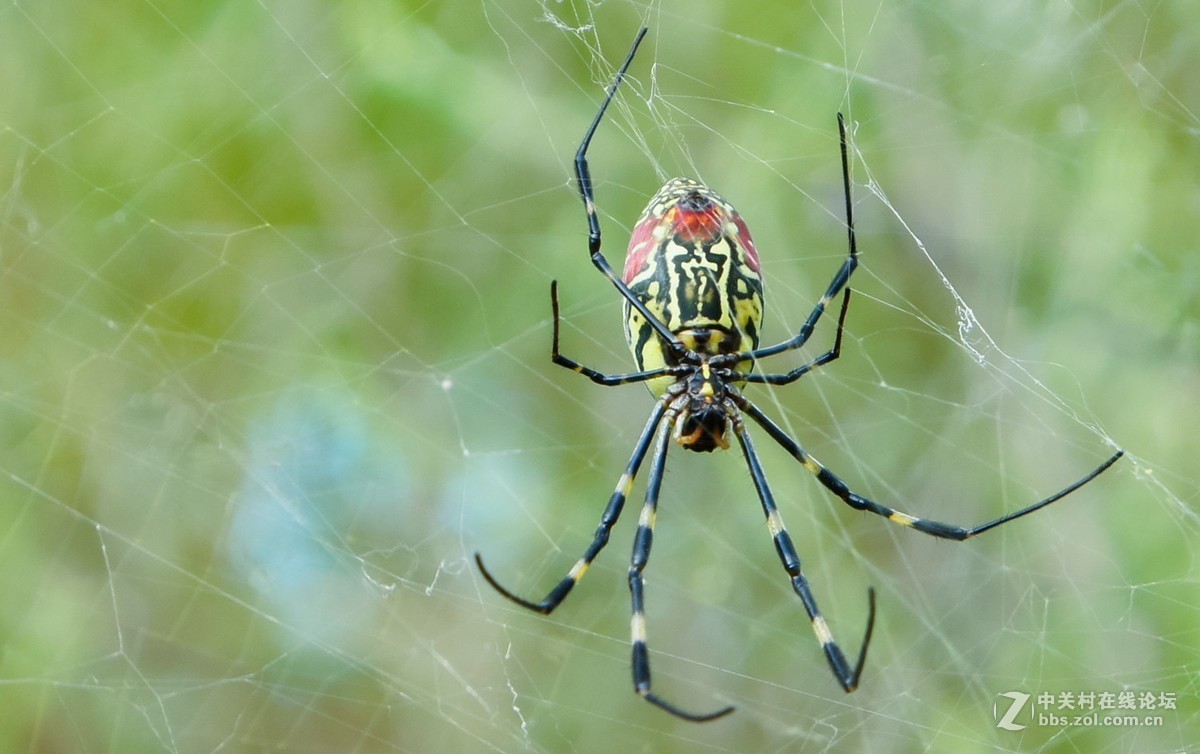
(846, 676)
(641, 554)
(595, 376)
(609, 518)
(830, 355)
(840, 279)
(583, 178)
(934, 528)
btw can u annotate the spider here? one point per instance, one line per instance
(693, 305)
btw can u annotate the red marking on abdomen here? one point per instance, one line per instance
(641, 244)
(701, 226)
(747, 242)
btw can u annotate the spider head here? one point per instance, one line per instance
(703, 431)
(704, 420)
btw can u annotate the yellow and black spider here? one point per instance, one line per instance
(693, 309)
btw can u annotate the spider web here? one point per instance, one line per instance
(274, 317)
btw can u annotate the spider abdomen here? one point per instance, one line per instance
(692, 262)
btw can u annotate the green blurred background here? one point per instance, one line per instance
(274, 328)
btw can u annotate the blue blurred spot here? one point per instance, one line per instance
(309, 484)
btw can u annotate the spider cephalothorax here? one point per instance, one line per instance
(703, 409)
(693, 307)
